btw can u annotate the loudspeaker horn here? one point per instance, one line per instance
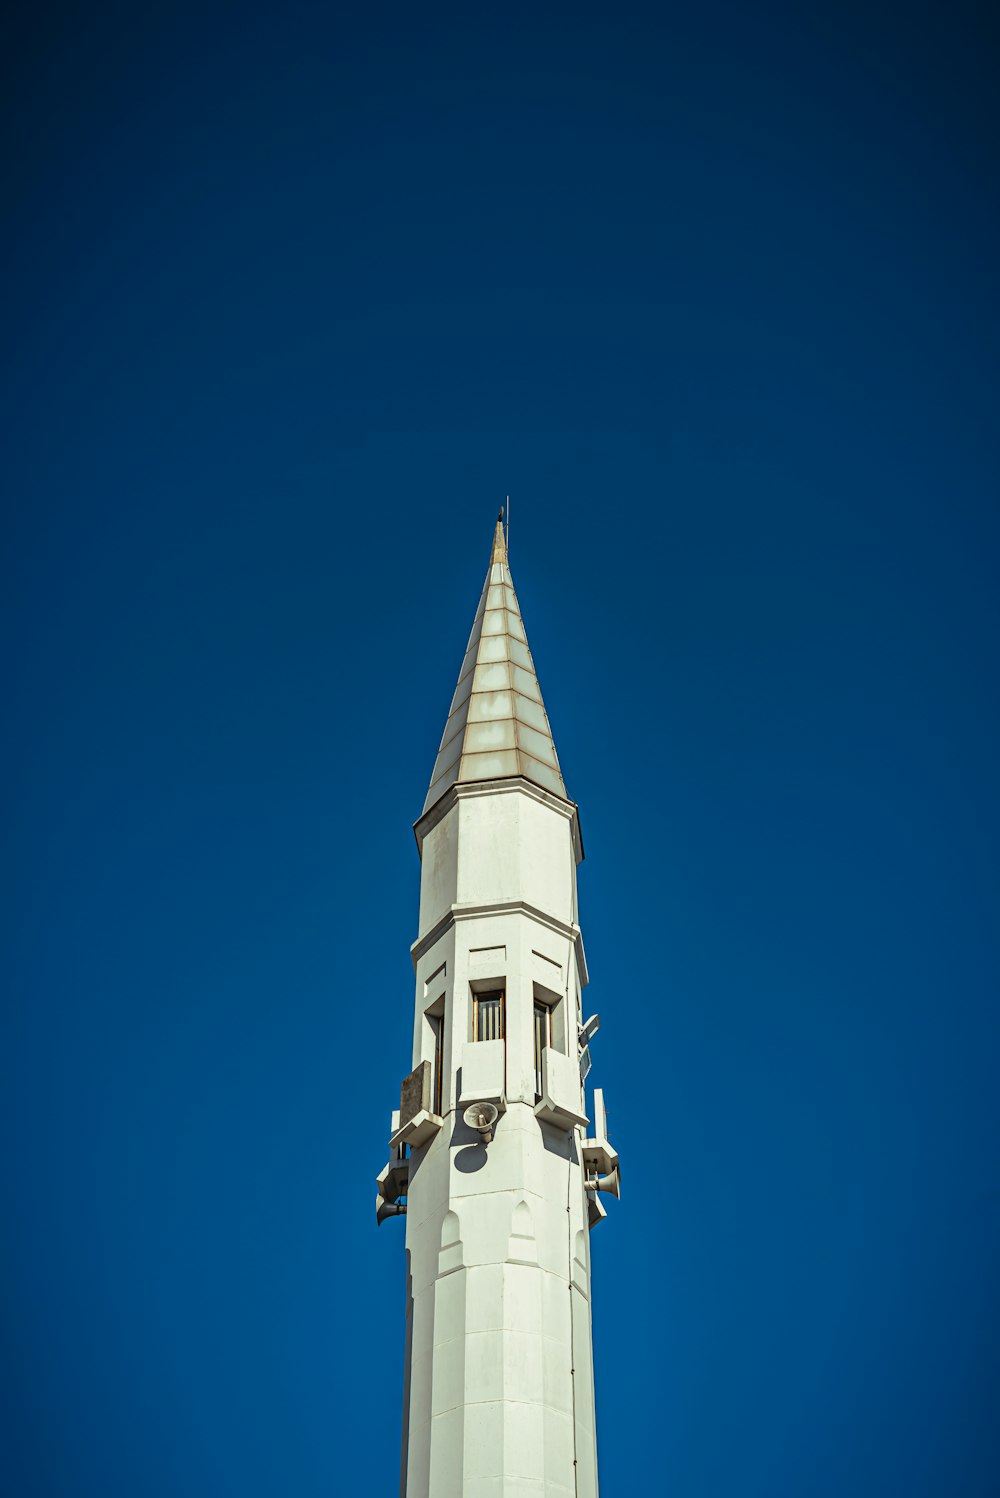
(384, 1209)
(481, 1117)
(611, 1183)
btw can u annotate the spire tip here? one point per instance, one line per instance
(499, 553)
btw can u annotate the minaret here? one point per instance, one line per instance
(491, 1158)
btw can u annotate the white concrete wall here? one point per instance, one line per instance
(501, 1398)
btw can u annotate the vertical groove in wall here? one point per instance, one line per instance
(407, 1374)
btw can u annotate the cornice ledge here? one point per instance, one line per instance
(457, 913)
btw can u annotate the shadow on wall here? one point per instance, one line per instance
(470, 1158)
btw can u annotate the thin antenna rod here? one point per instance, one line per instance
(507, 513)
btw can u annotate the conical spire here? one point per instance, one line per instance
(497, 725)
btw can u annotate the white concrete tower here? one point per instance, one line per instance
(491, 1159)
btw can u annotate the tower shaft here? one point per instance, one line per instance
(490, 1147)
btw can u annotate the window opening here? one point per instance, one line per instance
(543, 1038)
(488, 1016)
(437, 1031)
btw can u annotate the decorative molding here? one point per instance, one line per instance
(571, 932)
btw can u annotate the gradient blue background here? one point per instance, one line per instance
(293, 296)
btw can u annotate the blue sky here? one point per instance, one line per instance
(293, 296)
